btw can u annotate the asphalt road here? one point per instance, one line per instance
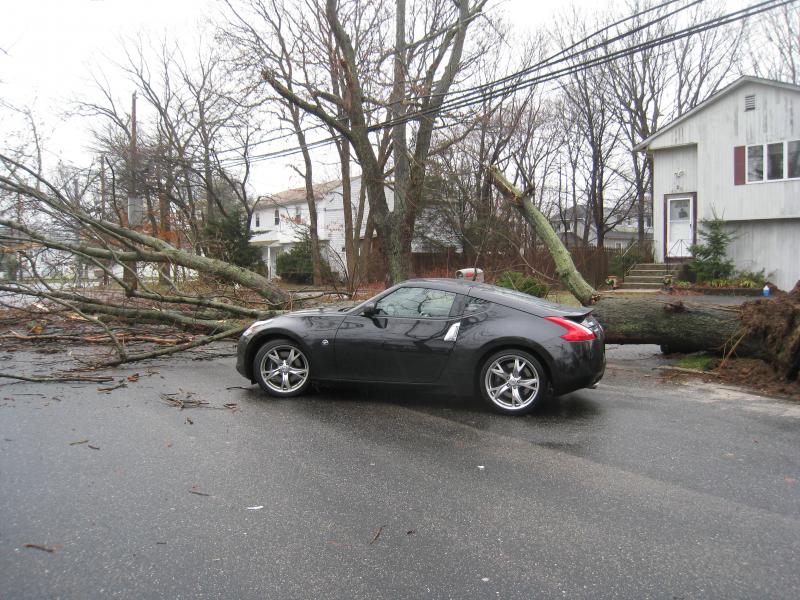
(638, 489)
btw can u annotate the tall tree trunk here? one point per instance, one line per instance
(311, 201)
(403, 212)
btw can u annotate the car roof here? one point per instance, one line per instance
(498, 295)
(460, 286)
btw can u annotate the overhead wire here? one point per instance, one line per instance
(531, 68)
(463, 101)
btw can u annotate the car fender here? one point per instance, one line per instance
(263, 336)
(535, 348)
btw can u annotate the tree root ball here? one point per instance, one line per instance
(775, 323)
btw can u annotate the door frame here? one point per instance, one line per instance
(667, 197)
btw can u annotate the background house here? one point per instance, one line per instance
(572, 223)
(279, 220)
(737, 156)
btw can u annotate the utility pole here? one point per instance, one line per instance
(135, 206)
(103, 201)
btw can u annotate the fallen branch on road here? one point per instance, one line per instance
(59, 378)
(202, 341)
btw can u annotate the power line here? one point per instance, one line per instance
(471, 99)
(545, 62)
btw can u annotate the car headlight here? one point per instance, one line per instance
(256, 325)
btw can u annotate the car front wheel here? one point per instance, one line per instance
(512, 382)
(282, 369)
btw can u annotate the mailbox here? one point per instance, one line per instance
(470, 274)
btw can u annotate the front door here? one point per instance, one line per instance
(680, 227)
(403, 342)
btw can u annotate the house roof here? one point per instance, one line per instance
(644, 144)
(295, 195)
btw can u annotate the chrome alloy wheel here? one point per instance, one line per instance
(284, 369)
(512, 382)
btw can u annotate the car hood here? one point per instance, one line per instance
(527, 303)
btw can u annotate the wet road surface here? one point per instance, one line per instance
(638, 489)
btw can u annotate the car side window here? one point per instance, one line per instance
(475, 305)
(416, 303)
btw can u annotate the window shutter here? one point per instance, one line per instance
(738, 165)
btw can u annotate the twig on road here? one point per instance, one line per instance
(40, 547)
(186, 402)
(59, 378)
(377, 534)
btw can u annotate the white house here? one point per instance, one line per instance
(278, 221)
(736, 156)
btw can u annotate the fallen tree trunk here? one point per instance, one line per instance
(676, 326)
(768, 329)
(565, 268)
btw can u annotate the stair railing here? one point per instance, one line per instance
(636, 245)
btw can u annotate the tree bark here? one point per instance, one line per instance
(675, 325)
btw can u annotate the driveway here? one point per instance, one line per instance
(638, 489)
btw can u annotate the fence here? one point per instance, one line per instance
(593, 263)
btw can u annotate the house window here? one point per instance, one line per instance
(793, 159)
(775, 161)
(258, 220)
(277, 217)
(755, 163)
(750, 102)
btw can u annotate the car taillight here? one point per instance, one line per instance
(575, 332)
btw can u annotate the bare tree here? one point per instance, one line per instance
(704, 62)
(424, 68)
(774, 45)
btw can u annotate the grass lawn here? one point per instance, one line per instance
(699, 360)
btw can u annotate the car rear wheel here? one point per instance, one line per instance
(282, 369)
(513, 382)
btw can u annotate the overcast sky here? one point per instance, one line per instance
(53, 45)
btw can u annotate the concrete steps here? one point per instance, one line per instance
(647, 276)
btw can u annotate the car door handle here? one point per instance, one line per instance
(452, 333)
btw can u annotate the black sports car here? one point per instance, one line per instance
(456, 334)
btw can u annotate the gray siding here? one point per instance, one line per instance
(770, 245)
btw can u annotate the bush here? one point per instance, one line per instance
(750, 279)
(297, 266)
(709, 262)
(526, 284)
(228, 240)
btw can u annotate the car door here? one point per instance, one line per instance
(406, 340)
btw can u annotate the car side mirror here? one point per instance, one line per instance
(369, 309)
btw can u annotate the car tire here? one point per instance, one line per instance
(282, 369)
(513, 381)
